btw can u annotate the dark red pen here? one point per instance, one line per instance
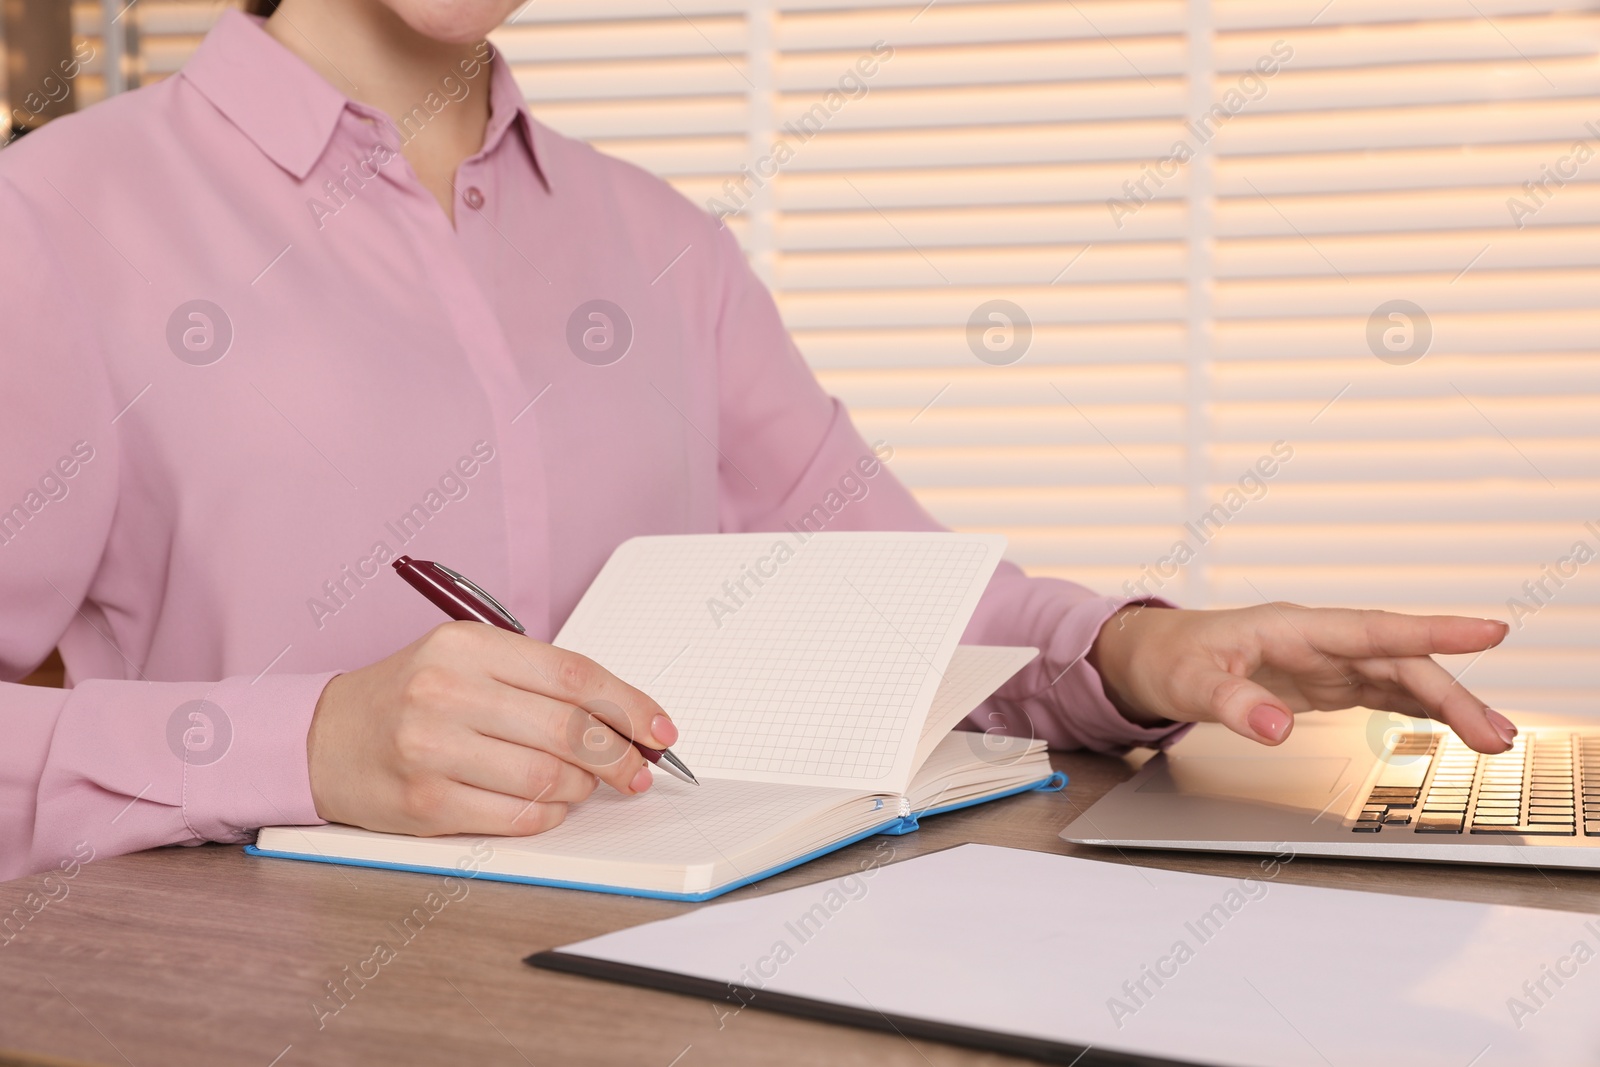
(465, 601)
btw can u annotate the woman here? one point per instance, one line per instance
(330, 295)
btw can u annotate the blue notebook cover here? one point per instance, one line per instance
(898, 825)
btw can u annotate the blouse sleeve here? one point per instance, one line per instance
(107, 766)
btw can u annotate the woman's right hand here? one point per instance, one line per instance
(474, 729)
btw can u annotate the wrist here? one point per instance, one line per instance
(1114, 658)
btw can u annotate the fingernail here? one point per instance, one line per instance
(642, 780)
(662, 729)
(1502, 725)
(1268, 721)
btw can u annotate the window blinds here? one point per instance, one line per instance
(1225, 301)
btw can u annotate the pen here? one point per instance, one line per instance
(465, 601)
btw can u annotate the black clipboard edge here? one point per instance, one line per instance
(824, 1011)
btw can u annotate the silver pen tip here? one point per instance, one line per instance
(677, 767)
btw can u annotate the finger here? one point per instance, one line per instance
(465, 809)
(1244, 707)
(567, 676)
(568, 733)
(515, 770)
(1444, 698)
(1372, 634)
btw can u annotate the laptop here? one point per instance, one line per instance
(1372, 785)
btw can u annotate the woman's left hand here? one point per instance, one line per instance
(1251, 668)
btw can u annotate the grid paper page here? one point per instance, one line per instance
(972, 676)
(783, 659)
(678, 823)
(974, 673)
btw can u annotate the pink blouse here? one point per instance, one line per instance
(247, 361)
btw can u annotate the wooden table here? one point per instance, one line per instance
(208, 956)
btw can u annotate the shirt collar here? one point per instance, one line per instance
(507, 108)
(290, 112)
(278, 102)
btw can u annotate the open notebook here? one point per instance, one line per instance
(815, 690)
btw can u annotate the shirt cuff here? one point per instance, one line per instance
(182, 762)
(264, 779)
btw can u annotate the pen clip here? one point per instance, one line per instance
(476, 590)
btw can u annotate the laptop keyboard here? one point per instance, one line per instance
(1547, 785)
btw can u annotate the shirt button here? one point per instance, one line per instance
(473, 196)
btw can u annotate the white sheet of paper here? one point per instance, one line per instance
(1269, 974)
